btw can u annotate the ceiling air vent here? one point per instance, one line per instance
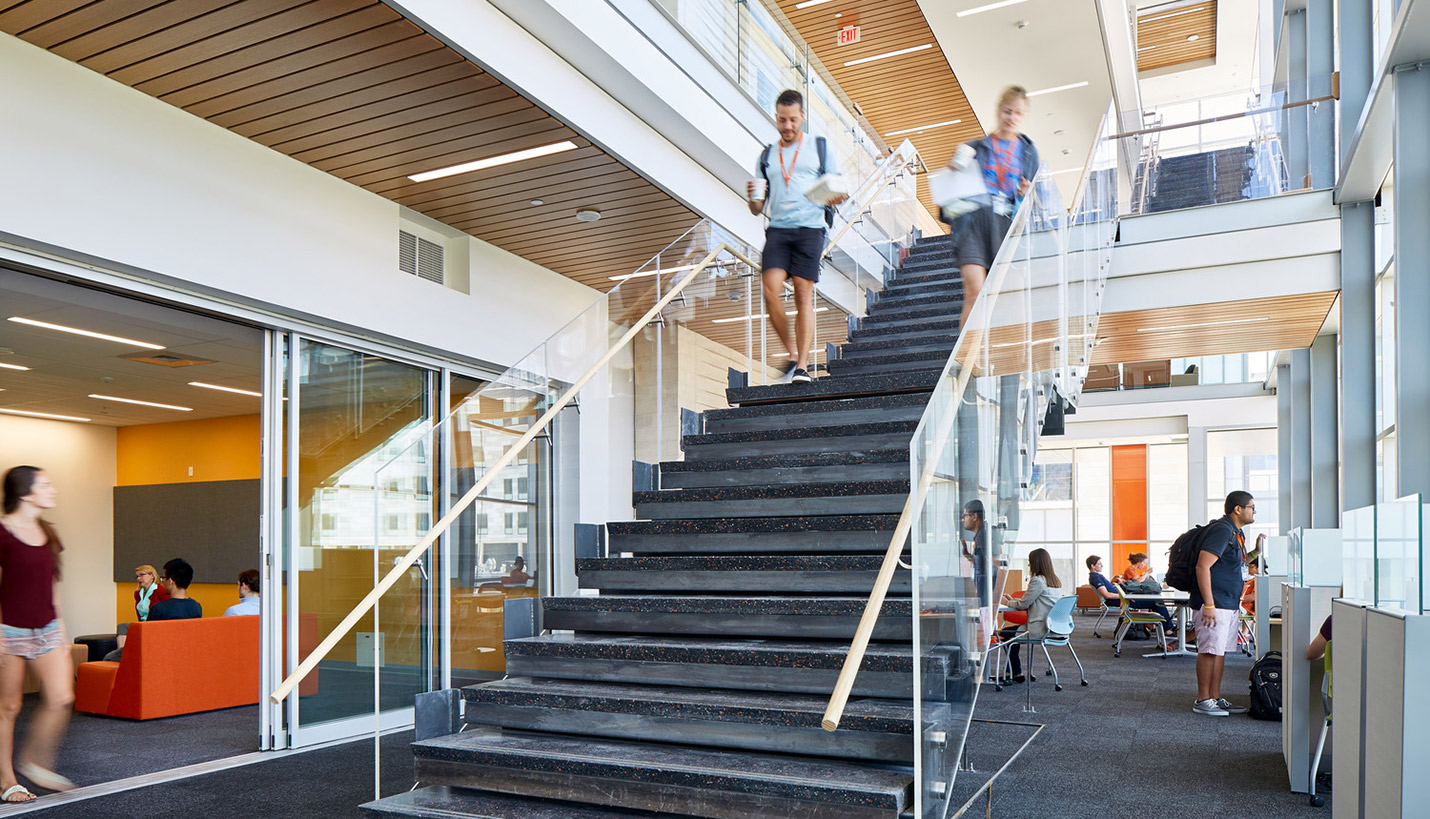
(420, 257)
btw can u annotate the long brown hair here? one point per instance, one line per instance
(1041, 564)
(19, 482)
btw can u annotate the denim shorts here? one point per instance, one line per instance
(32, 642)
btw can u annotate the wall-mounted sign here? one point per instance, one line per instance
(848, 35)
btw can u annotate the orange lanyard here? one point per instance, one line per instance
(788, 173)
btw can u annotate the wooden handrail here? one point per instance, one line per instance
(390, 579)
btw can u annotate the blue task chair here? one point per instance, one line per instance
(1060, 628)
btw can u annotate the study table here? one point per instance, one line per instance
(1180, 599)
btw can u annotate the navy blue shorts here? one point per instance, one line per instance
(794, 250)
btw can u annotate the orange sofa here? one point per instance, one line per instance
(176, 667)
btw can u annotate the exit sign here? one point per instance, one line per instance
(848, 35)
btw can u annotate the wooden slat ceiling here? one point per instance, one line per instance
(1163, 32)
(894, 93)
(353, 88)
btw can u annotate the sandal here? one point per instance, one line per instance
(44, 777)
(17, 790)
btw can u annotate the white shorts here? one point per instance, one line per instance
(1218, 639)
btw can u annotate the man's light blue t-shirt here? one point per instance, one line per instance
(248, 605)
(787, 206)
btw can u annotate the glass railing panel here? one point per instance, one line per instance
(1399, 545)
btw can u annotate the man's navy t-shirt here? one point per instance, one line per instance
(1098, 580)
(1222, 539)
(176, 609)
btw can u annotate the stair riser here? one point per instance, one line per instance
(907, 321)
(931, 290)
(788, 475)
(747, 449)
(885, 747)
(857, 367)
(711, 675)
(900, 310)
(792, 626)
(890, 331)
(760, 423)
(845, 582)
(600, 790)
(856, 350)
(773, 507)
(752, 543)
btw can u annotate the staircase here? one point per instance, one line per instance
(694, 684)
(1194, 180)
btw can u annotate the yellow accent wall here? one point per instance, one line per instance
(214, 449)
(214, 597)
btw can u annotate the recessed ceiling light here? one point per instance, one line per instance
(760, 316)
(924, 127)
(1203, 324)
(225, 389)
(862, 60)
(1193, 38)
(807, 3)
(587, 215)
(140, 403)
(493, 161)
(1169, 15)
(43, 415)
(12, 367)
(989, 7)
(1057, 88)
(538, 202)
(89, 333)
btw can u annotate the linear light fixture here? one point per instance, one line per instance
(140, 403)
(1168, 15)
(655, 272)
(760, 316)
(89, 333)
(1203, 324)
(493, 161)
(1056, 89)
(12, 367)
(1145, 48)
(862, 60)
(807, 3)
(225, 389)
(924, 127)
(1023, 343)
(989, 7)
(1064, 170)
(43, 415)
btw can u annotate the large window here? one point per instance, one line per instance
(1244, 459)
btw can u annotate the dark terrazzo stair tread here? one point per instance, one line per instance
(784, 710)
(811, 410)
(791, 777)
(786, 606)
(810, 654)
(922, 381)
(774, 492)
(884, 313)
(794, 432)
(443, 802)
(860, 347)
(921, 273)
(790, 461)
(944, 325)
(893, 358)
(916, 295)
(805, 523)
(733, 563)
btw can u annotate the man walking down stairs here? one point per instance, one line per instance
(694, 684)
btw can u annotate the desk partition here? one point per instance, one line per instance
(1347, 743)
(1383, 562)
(1397, 714)
(1303, 609)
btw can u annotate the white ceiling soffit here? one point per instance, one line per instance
(1236, 68)
(1060, 45)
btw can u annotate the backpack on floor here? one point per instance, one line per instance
(1266, 687)
(1182, 559)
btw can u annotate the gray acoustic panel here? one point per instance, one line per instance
(212, 524)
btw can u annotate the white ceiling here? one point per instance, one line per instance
(1061, 45)
(66, 368)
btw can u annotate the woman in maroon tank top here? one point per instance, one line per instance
(30, 634)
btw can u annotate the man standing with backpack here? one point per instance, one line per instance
(1217, 597)
(794, 242)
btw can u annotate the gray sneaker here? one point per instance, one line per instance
(1226, 706)
(1209, 708)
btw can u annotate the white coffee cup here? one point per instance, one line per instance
(756, 189)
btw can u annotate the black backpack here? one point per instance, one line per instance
(1266, 687)
(821, 147)
(1182, 559)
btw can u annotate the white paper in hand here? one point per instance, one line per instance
(826, 188)
(958, 191)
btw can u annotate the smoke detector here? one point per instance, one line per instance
(587, 215)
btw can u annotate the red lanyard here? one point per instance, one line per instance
(787, 174)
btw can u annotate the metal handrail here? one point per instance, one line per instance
(405, 562)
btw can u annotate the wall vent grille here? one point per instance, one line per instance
(420, 258)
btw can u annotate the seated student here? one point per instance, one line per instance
(178, 574)
(1043, 592)
(1248, 590)
(247, 595)
(1139, 571)
(517, 576)
(1317, 649)
(1100, 584)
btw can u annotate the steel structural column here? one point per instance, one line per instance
(1357, 355)
(1320, 64)
(1325, 466)
(1298, 159)
(1301, 438)
(1412, 279)
(1354, 19)
(1283, 445)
